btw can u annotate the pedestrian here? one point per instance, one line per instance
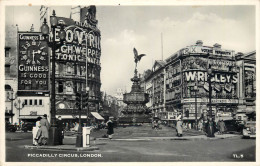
(200, 125)
(37, 131)
(60, 129)
(67, 127)
(189, 125)
(221, 127)
(211, 128)
(179, 125)
(110, 127)
(45, 125)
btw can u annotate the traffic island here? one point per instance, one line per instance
(198, 137)
(62, 147)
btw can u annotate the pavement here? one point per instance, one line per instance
(144, 133)
(62, 147)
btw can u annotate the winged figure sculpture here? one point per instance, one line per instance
(137, 57)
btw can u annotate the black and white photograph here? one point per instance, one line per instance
(129, 82)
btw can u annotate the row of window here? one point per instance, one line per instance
(29, 102)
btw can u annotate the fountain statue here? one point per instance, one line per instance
(136, 110)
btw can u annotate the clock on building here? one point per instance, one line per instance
(61, 105)
(34, 52)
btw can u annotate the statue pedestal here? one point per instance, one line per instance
(136, 110)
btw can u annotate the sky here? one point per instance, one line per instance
(157, 31)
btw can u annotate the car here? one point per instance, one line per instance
(28, 126)
(249, 130)
(233, 126)
(10, 128)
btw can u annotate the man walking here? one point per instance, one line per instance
(60, 127)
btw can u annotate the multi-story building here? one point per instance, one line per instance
(77, 67)
(119, 96)
(189, 68)
(20, 107)
(10, 72)
(247, 86)
(154, 86)
(182, 83)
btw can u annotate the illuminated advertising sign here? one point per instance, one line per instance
(80, 41)
(217, 77)
(206, 50)
(33, 62)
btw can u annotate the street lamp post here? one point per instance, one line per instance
(81, 97)
(53, 136)
(196, 112)
(79, 140)
(19, 106)
(210, 122)
(11, 98)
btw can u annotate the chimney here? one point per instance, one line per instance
(199, 43)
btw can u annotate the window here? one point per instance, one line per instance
(60, 89)
(69, 68)
(80, 71)
(7, 52)
(75, 69)
(25, 102)
(57, 68)
(7, 69)
(40, 102)
(31, 102)
(35, 102)
(69, 87)
(75, 87)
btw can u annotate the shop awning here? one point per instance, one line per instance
(71, 117)
(97, 116)
(29, 116)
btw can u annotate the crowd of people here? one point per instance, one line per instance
(41, 131)
(207, 126)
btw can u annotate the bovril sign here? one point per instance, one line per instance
(79, 43)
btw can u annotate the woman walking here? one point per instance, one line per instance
(221, 126)
(37, 131)
(45, 125)
(179, 125)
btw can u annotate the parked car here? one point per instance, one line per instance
(249, 130)
(10, 127)
(233, 126)
(28, 126)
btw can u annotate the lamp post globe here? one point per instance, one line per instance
(53, 19)
(45, 28)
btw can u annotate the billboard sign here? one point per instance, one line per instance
(33, 62)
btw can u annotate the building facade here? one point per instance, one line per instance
(78, 64)
(77, 67)
(181, 83)
(247, 88)
(190, 68)
(155, 87)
